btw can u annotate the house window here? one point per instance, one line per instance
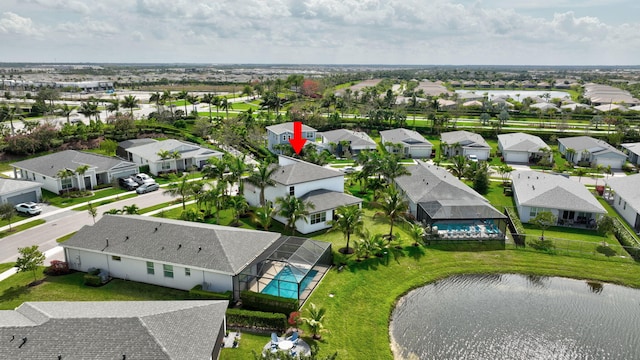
(150, 268)
(168, 270)
(166, 165)
(66, 183)
(318, 217)
(292, 190)
(116, 258)
(187, 272)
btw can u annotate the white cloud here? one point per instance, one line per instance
(11, 23)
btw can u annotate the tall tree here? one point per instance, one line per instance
(262, 178)
(208, 99)
(263, 216)
(129, 102)
(7, 212)
(64, 174)
(66, 110)
(394, 207)
(348, 220)
(80, 171)
(238, 205)
(179, 187)
(293, 209)
(183, 95)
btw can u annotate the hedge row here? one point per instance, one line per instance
(92, 280)
(264, 302)
(257, 320)
(511, 212)
(626, 239)
(198, 293)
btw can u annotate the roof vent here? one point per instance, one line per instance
(124, 357)
(13, 337)
(24, 341)
(179, 246)
(126, 238)
(156, 229)
(533, 187)
(162, 248)
(59, 357)
(199, 248)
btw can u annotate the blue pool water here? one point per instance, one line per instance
(285, 284)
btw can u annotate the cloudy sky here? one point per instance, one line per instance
(538, 32)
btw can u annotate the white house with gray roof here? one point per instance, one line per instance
(626, 198)
(281, 133)
(14, 191)
(593, 152)
(522, 148)
(146, 153)
(569, 201)
(152, 330)
(438, 198)
(340, 141)
(412, 144)
(44, 170)
(465, 143)
(633, 152)
(319, 185)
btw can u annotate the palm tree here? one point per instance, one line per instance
(164, 155)
(393, 206)
(314, 320)
(89, 109)
(156, 97)
(262, 178)
(193, 100)
(64, 174)
(263, 216)
(226, 105)
(237, 167)
(81, 170)
(168, 97)
(208, 99)
(130, 102)
(238, 205)
(182, 95)
(459, 166)
(417, 233)
(349, 220)
(113, 107)
(132, 209)
(66, 110)
(13, 113)
(293, 209)
(392, 168)
(179, 187)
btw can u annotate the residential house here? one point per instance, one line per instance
(411, 143)
(44, 170)
(465, 143)
(523, 148)
(188, 155)
(633, 152)
(160, 330)
(569, 201)
(316, 184)
(626, 198)
(590, 151)
(14, 191)
(438, 198)
(281, 133)
(180, 254)
(343, 141)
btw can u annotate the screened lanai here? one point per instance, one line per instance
(292, 270)
(465, 219)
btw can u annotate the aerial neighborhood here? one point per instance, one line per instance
(175, 221)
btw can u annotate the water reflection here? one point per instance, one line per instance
(516, 317)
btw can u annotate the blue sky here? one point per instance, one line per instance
(542, 32)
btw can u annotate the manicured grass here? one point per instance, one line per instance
(16, 229)
(6, 266)
(14, 219)
(59, 201)
(158, 206)
(105, 202)
(64, 238)
(13, 291)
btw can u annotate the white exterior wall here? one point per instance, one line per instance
(48, 183)
(626, 211)
(275, 139)
(524, 212)
(273, 192)
(136, 270)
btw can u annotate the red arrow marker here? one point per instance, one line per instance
(297, 142)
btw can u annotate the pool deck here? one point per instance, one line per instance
(302, 348)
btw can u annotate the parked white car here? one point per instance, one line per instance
(30, 208)
(142, 178)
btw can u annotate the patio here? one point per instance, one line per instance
(300, 347)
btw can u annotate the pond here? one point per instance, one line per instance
(517, 317)
(514, 93)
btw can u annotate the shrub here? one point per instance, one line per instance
(198, 293)
(92, 280)
(257, 320)
(264, 302)
(57, 267)
(626, 239)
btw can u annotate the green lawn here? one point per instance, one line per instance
(18, 228)
(6, 266)
(60, 201)
(105, 202)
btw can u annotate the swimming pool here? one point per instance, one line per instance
(285, 284)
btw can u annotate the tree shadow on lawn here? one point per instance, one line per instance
(14, 292)
(415, 252)
(606, 251)
(468, 246)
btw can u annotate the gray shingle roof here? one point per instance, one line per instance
(405, 136)
(521, 142)
(11, 185)
(632, 147)
(442, 192)
(628, 188)
(49, 165)
(150, 151)
(324, 200)
(595, 146)
(544, 190)
(300, 171)
(219, 248)
(287, 127)
(357, 138)
(110, 329)
(464, 138)
(135, 142)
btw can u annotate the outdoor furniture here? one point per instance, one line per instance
(294, 338)
(285, 344)
(274, 342)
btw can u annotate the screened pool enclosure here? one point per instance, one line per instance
(292, 270)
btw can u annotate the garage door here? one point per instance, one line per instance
(516, 157)
(26, 197)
